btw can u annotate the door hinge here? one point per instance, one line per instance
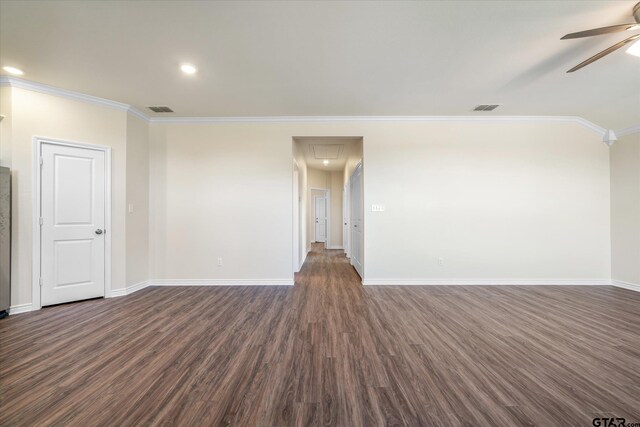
(41, 220)
(40, 281)
(41, 161)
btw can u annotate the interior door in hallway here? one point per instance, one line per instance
(73, 200)
(345, 219)
(357, 210)
(321, 218)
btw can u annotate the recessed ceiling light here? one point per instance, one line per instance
(325, 162)
(634, 49)
(13, 70)
(188, 68)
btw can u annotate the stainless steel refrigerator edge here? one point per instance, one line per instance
(5, 240)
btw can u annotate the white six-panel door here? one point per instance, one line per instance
(72, 223)
(357, 211)
(321, 218)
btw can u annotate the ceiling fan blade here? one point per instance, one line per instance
(604, 53)
(603, 30)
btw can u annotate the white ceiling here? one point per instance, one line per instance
(334, 149)
(330, 58)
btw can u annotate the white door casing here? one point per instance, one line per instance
(296, 219)
(321, 218)
(357, 211)
(73, 192)
(345, 219)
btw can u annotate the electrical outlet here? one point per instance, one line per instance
(440, 261)
(219, 262)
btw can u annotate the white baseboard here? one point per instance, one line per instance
(117, 293)
(222, 282)
(137, 287)
(128, 290)
(304, 258)
(335, 247)
(626, 285)
(469, 282)
(20, 308)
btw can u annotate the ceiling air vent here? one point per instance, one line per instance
(486, 107)
(161, 109)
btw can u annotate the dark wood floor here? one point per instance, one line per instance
(326, 352)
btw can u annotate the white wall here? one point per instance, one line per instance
(303, 243)
(354, 156)
(37, 114)
(137, 229)
(5, 126)
(337, 183)
(496, 200)
(220, 191)
(625, 209)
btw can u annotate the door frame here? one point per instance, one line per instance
(36, 186)
(327, 195)
(359, 165)
(296, 217)
(346, 216)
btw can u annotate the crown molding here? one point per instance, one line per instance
(69, 94)
(51, 90)
(600, 131)
(628, 131)
(139, 114)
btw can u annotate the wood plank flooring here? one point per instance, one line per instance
(326, 352)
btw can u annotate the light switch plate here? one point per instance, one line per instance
(130, 207)
(377, 208)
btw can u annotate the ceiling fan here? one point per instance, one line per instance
(606, 30)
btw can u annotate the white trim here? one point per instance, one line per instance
(20, 308)
(128, 290)
(117, 293)
(359, 165)
(296, 216)
(306, 119)
(469, 282)
(609, 138)
(628, 131)
(335, 247)
(51, 90)
(626, 285)
(221, 282)
(36, 230)
(137, 287)
(304, 259)
(139, 114)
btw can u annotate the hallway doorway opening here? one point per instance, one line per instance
(328, 198)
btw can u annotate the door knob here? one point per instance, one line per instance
(99, 231)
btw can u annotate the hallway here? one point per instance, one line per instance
(326, 352)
